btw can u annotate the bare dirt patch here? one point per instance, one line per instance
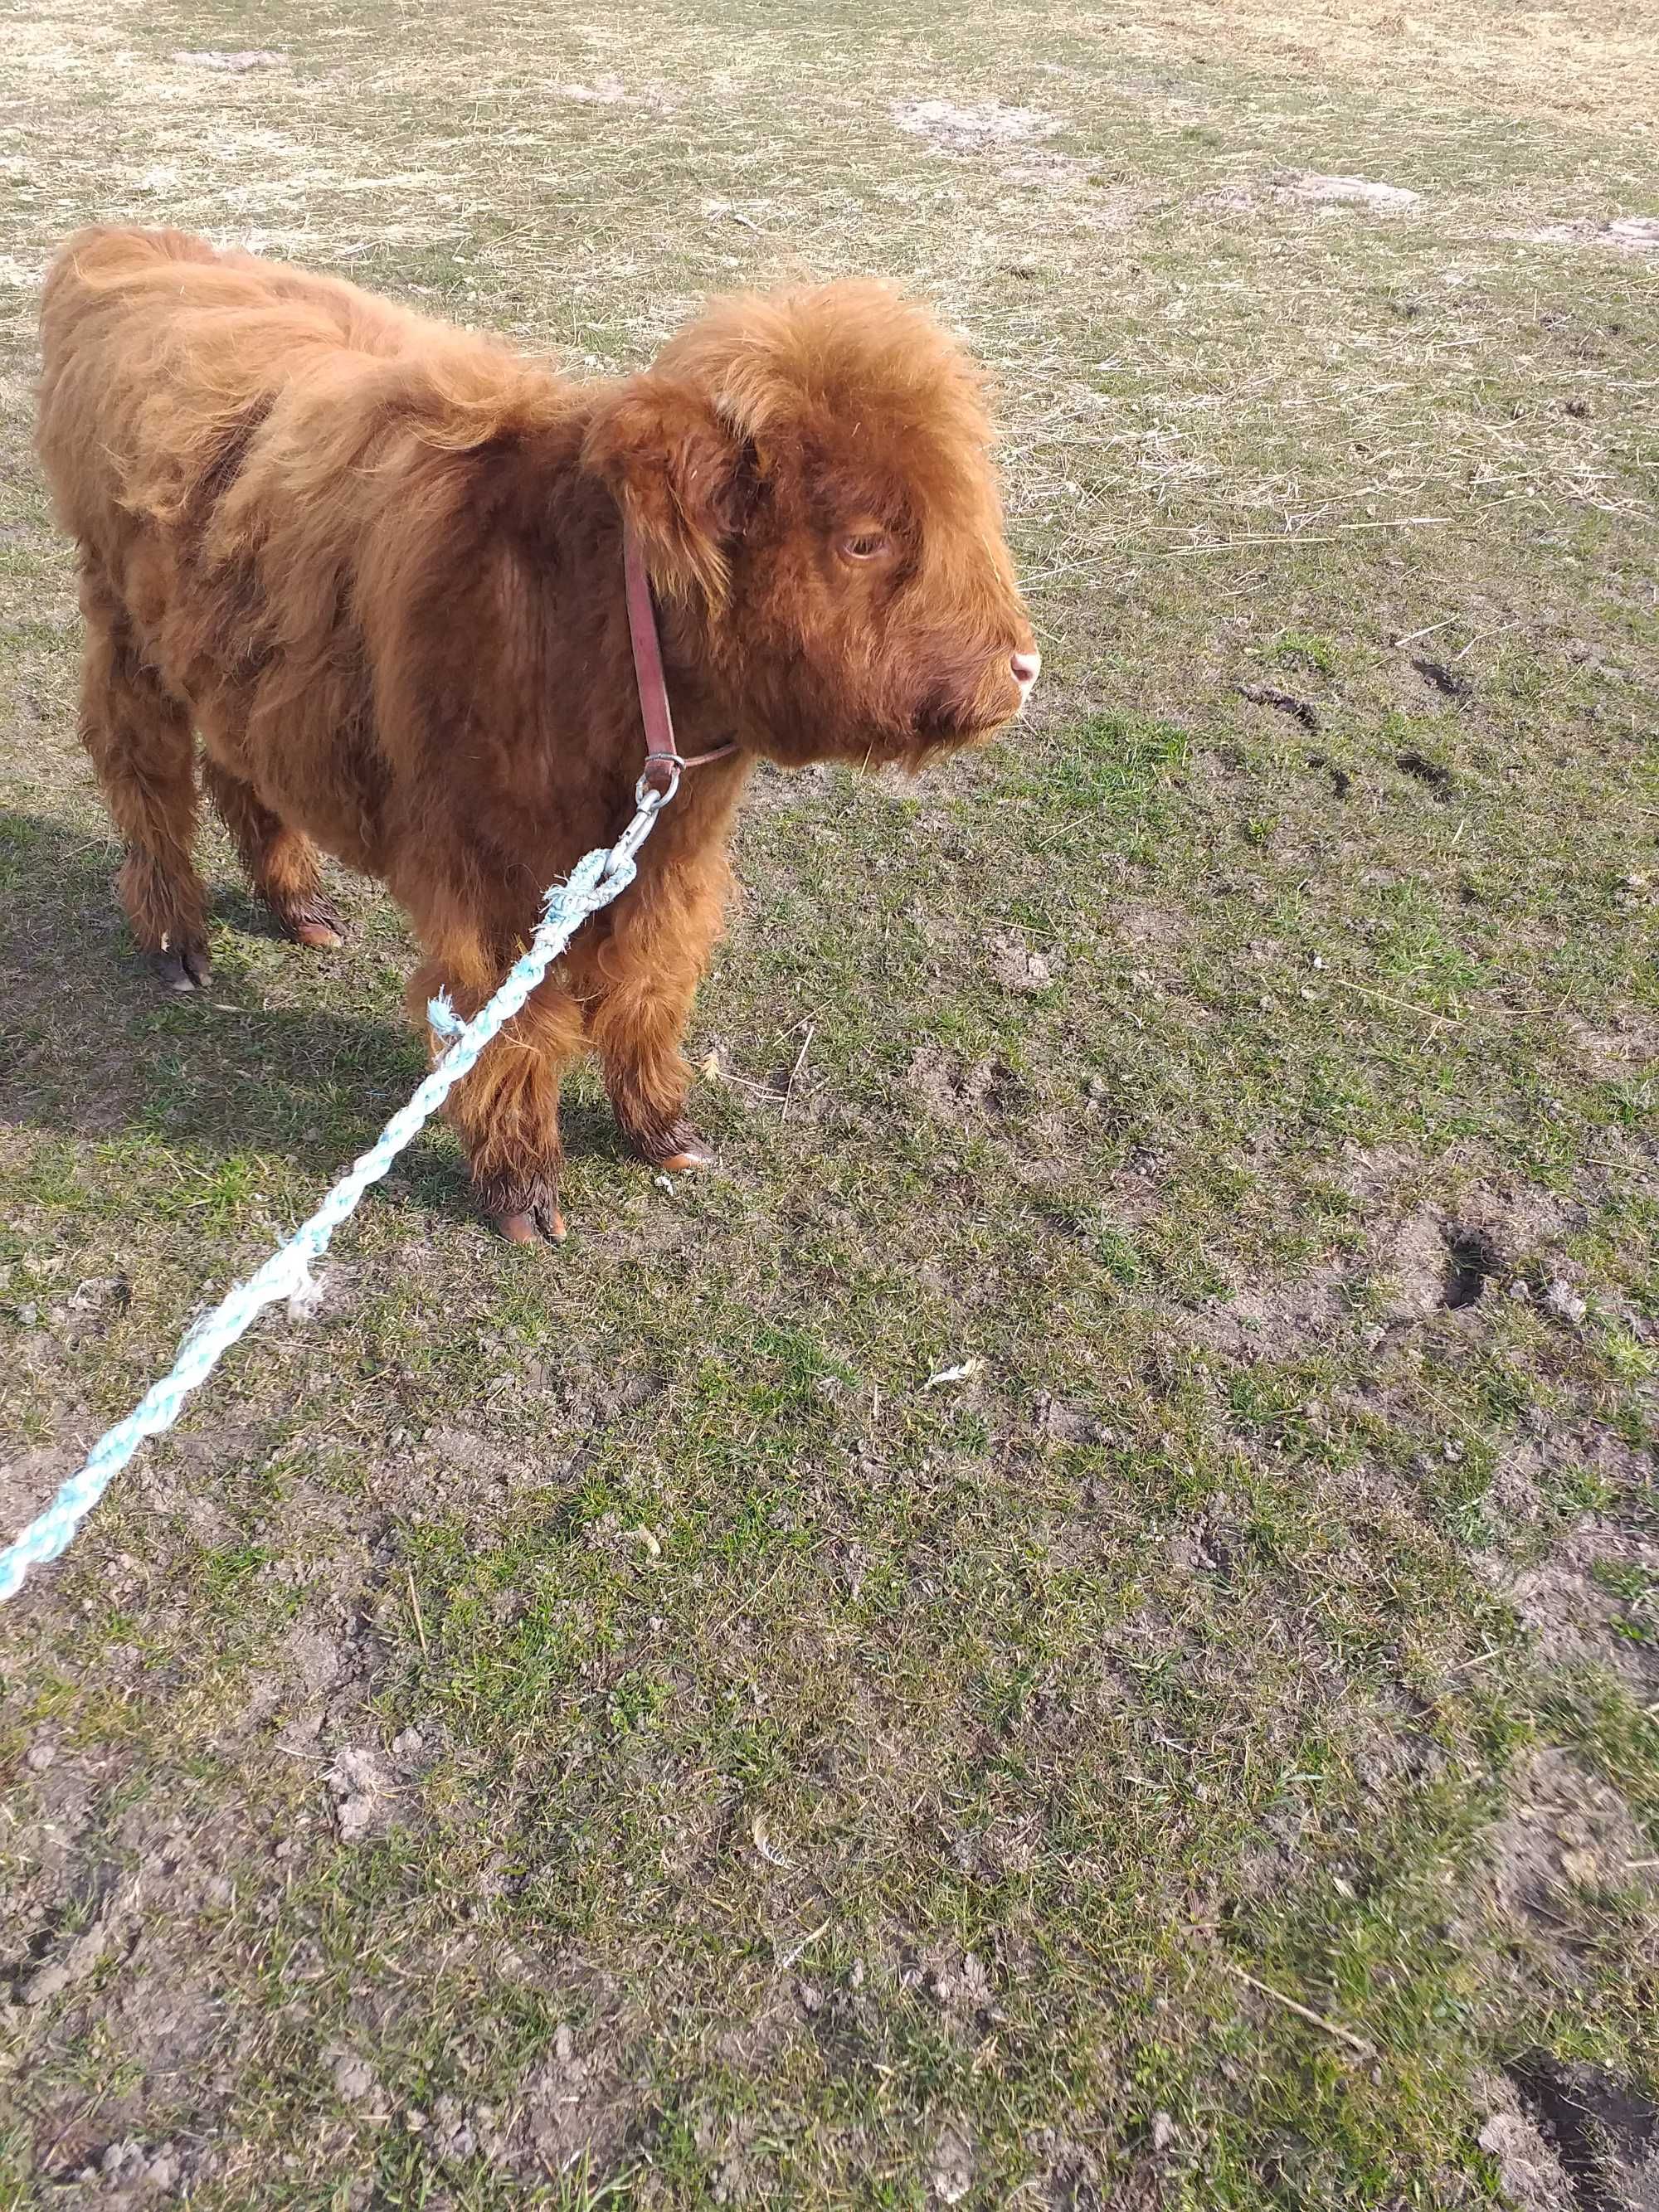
(236, 64)
(958, 1093)
(1625, 234)
(1620, 1051)
(1009, 136)
(985, 125)
(1566, 1836)
(1532, 2177)
(1606, 2131)
(1571, 1604)
(609, 90)
(1346, 191)
(1020, 967)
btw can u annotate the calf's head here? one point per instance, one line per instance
(810, 476)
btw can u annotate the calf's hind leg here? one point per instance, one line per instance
(142, 747)
(281, 862)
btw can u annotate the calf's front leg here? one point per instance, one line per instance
(639, 981)
(506, 1110)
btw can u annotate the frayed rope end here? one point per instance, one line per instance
(443, 1017)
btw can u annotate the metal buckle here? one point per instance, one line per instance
(659, 780)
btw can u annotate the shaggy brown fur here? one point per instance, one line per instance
(375, 563)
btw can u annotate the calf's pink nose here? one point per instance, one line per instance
(1026, 666)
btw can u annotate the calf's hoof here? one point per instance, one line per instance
(315, 923)
(529, 1228)
(526, 1217)
(676, 1150)
(183, 967)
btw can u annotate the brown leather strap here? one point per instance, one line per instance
(662, 760)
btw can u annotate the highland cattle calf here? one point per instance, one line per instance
(372, 566)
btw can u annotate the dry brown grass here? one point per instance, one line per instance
(1595, 66)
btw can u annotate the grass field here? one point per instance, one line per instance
(595, 1727)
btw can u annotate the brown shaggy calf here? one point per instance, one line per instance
(375, 563)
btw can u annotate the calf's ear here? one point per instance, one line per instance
(680, 475)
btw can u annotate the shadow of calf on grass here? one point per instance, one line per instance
(92, 1045)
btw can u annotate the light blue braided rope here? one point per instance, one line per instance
(594, 881)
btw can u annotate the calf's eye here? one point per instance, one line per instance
(866, 545)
